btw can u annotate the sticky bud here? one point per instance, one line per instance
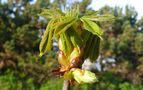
(68, 75)
(75, 53)
(62, 59)
(84, 76)
(60, 44)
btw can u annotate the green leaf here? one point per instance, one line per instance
(46, 42)
(60, 44)
(62, 59)
(94, 52)
(69, 44)
(75, 54)
(73, 12)
(85, 35)
(64, 45)
(88, 46)
(105, 17)
(75, 38)
(92, 27)
(51, 13)
(64, 25)
(84, 76)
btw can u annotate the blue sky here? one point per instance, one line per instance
(97, 4)
(137, 4)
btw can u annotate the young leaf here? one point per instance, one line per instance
(49, 13)
(62, 59)
(63, 42)
(60, 44)
(75, 54)
(92, 27)
(68, 43)
(63, 26)
(94, 53)
(85, 35)
(105, 17)
(88, 46)
(68, 75)
(73, 13)
(84, 76)
(46, 42)
(75, 38)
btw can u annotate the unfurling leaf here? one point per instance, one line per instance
(68, 75)
(86, 35)
(88, 47)
(92, 27)
(94, 52)
(63, 26)
(60, 44)
(84, 76)
(46, 42)
(75, 53)
(67, 45)
(63, 60)
(48, 13)
(75, 38)
(105, 17)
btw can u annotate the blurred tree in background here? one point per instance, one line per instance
(20, 32)
(123, 43)
(20, 29)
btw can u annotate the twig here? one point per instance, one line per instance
(66, 85)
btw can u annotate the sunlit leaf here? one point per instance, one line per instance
(68, 75)
(63, 59)
(106, 17)
(46, 42)
(51, 13)
(73, 12)
(63, 41)
(69, 45)
(75, 38)
(63, 26)
(92, 27)
(84, 76)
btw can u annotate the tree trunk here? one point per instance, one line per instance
(66, 85)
